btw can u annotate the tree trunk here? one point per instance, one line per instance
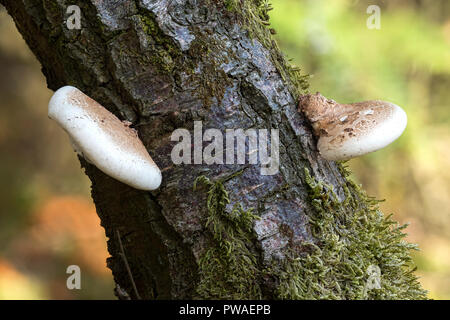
(304, 232)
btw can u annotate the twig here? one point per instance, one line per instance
(127, 266)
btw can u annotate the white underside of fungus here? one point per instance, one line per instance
(105, 141)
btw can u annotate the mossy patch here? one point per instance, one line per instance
(205, 51)
(352, 238)
(229, 268)
(164, 52)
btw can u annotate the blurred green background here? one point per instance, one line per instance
(48, 222)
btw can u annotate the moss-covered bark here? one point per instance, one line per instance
(163, 65)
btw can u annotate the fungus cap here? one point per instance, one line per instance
(345, 131)
(105, 141)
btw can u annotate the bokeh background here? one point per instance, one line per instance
(48, 221)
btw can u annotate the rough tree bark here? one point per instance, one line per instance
(305, 232)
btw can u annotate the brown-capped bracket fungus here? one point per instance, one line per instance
(345, 131)
(103, 140)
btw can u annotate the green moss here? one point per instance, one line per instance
(351, 237)
(229, 4)
(229, 268)
(213, 81)
(164, 51)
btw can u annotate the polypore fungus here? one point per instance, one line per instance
(103, 140)
(346, 131)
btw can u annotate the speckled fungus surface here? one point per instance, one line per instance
(103, 140)
(345, 131)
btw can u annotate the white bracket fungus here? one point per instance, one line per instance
(103, 140)
(346, 131)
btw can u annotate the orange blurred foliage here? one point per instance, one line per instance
(71, 219)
